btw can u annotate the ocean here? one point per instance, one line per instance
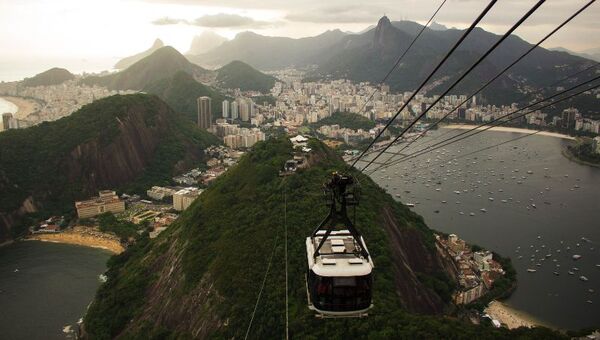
(14, 69)
(46, 287)
(507, 182)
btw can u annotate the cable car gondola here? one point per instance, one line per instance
(339, 277)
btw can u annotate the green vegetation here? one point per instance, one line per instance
(261, 100)
(53, 76)
(53, 162)
(123, 229)
(181, 93)
(224, 240)
(161, 64)
(583, 150)
(346, 120)
(240, 75)
(118, 300)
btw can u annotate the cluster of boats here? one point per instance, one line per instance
(484, 179)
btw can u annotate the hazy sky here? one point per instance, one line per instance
(115, 28)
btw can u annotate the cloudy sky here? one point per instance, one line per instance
(109, 29)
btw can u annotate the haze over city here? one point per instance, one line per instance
(93, 34)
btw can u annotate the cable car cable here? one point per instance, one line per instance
(401, 57)
(533, 47)
(429, 149)
(439, 65)
(477, 127)
(287, 318)
(440, 144)
(262, 286)
(518, 100)
(486, 148)
(457, 81)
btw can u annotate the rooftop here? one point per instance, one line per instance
(338, 256)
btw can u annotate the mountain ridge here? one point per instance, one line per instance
(121, 142)
(53, 76)
(369, 55)
(238, 74)
(128, 61)
(162, 63)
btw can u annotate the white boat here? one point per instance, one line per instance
(576, 257)
(410, 205)
(583, 278)
(483, 210)
(531, 270)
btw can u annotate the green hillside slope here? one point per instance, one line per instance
(128, 142)
(201, 278)
(181, 92)
(240, 75)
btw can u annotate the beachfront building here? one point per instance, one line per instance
(107, 201)
(183, 198)
(160, 193)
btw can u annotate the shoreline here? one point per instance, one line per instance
(25, 106)
(512, 317)
(568, 155)
(508, 129)
(82, 236)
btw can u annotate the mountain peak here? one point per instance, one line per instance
(384, 21)
(384, 32)
(158, 43)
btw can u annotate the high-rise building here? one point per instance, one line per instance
(6, 117)
(225, 108)
(234, 110)
(244, 111)
(252, 108)
(204, 113)
(568, 117)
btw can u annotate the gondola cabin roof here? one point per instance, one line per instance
(338, 256)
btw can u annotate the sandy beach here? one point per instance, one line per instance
(83, 236)
(511, 317)
(26, 106)
(508, 129)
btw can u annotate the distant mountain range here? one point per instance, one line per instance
(268, 53)
(592, 53)
(163, 64)
(127, 142)
(368, 56)
(205, 42)
(53, 76)
(128, 61)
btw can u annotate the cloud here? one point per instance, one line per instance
(338, 14)
(229, 20)
(221, 20)
(167, 21)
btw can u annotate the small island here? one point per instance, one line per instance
(584, 150)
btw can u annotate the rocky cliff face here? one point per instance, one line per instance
(107, 144)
